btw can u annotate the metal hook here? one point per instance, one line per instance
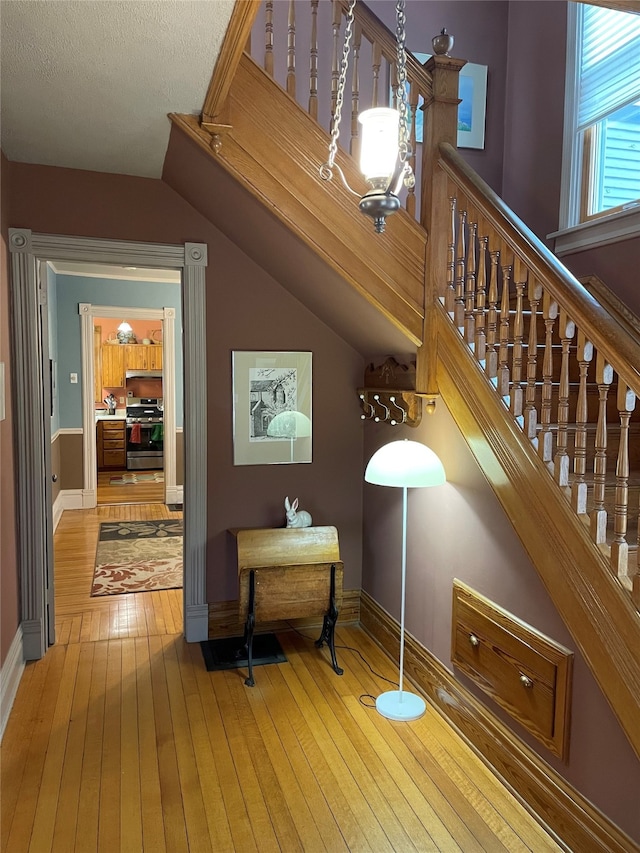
(392, 399)
(365, 402)
(387, 412)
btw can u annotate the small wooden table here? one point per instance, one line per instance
(289, 573)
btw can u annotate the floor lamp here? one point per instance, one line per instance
(404, 465)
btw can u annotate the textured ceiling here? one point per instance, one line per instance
(87, 84)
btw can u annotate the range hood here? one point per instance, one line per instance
(143, 374)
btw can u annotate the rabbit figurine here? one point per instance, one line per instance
(295, 518)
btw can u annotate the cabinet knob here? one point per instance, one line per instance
(54, 478)
(475, 642)
(525, 680)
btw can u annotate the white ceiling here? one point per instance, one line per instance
(87, 84)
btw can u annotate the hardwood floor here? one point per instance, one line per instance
(136, 493)
(126, 743)
(80, 617)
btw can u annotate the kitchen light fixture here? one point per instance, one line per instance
(406, 465)
(125, 333)
(385, 147)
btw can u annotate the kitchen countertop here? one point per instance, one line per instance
(119, 416)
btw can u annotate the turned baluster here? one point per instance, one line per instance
(579, 487)
(503, 355)
(619, 546)
(491, 362)
(530, 412)
(450, 292)
(516, 391)
(354, 147)
(291, 49)
(394, 86)
(635, 580)
(481, 300)
(268, 37)
(458, 308)
(313, 62)
(545, 441)
(561, 459)
(598, 522)
(413, 107)
(376, 62)
(470, 285)
(336, 55)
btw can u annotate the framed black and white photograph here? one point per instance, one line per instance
(271, 407)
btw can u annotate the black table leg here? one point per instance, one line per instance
(329, 623)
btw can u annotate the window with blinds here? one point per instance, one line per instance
(602, 125)
(608, 108)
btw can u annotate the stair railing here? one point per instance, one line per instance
(566, 371)
(289, 38)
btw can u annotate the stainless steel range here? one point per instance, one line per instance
(145, 433)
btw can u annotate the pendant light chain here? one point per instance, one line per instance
(404, 144)
(326, 169)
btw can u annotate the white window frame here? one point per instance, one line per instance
(574, 235)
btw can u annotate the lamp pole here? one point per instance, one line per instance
(404, 581)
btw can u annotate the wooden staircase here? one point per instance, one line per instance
(539, 374)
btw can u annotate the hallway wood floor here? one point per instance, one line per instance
(79, 616)
(124, 743)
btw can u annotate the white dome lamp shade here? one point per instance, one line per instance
(404, 465)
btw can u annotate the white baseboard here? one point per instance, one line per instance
(68, 499)
(10, 676)
(174, 495)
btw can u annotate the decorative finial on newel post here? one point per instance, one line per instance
(442, 44)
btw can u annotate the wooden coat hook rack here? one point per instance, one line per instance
(389, 394)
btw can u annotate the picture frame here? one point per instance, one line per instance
(472, 108)
(272, 422)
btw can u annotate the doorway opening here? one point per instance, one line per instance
(35, 536)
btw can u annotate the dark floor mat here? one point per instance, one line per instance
(223, 653)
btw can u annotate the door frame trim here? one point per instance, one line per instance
(35, 516)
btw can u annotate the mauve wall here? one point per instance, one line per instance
(459, 530)
(9, 596)
(246, 310)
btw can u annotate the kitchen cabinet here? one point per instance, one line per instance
(118, 358)
(143, 357)
(111, 444)
(113, 366)
(97, 364)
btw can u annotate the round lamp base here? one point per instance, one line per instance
(400, 706)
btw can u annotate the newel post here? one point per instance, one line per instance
(440, 125)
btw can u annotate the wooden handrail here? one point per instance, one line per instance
(615, 343)
(238, 31)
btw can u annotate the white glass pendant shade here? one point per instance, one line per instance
(405, 463)
(379, 142)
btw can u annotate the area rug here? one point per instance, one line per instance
(138, 556)
(131, 478)
(229, 653)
